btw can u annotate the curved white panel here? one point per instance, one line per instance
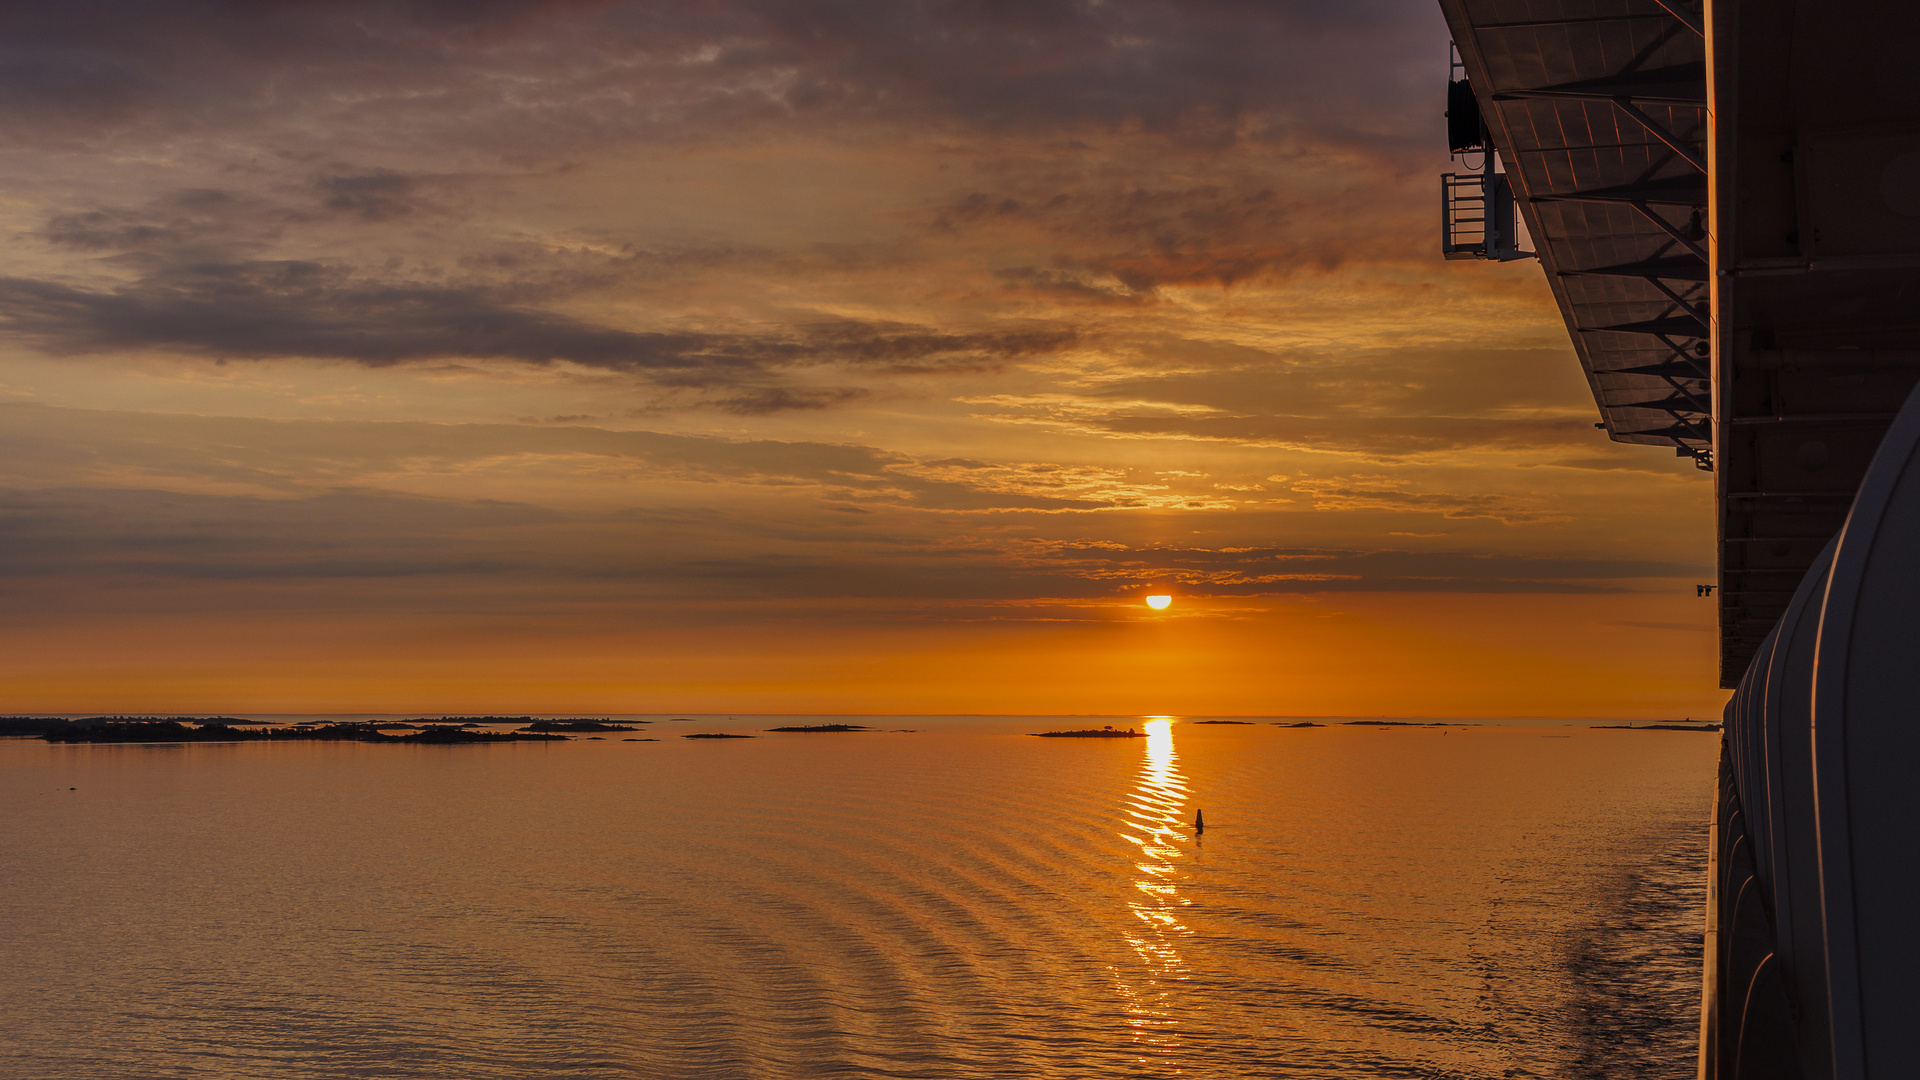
(1866, 740)
(1793, 851)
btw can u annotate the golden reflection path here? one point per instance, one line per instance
(1155, 821)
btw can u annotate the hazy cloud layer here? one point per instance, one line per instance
(253, 500)
(117, 538)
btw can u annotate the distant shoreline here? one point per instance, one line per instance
(1653, 727)
(222, 730)
(452, 730)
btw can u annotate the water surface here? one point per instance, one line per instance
(960, 901)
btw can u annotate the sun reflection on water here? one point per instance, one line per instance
(1155, 822)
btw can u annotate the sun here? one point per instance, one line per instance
(1159, 603)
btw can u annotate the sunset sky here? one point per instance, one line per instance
(804, 356)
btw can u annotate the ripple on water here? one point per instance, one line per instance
(963, 902)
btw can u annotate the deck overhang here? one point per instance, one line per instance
(1726, 204)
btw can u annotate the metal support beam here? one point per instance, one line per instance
(1669, 268)
(1686, 190)
(1700, 406)
(1537, 23)
(1692, 360)
(1684, 18)
(1674, 406)
(1670, 229)
(1666, 324)
(1686, 367)
(1679, 430)
(1655, 129)
(1680, 84)
(1571, 147)
(1680, 300)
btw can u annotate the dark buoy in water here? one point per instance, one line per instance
(1199, 822)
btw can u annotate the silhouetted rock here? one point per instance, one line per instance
(168, 731)
(823, 727)
(577, 725)
(31, 725)
(136, 731)
(715, 735)
(1655, 727)
(225, 721)
(1090, 733)
(450, 736)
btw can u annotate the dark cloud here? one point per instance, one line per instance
(1145, 238)
(256, 309)
(293, 308)
(910, 349)
(198, 292)
(1071, 288)
(183, 226)
(785, 399)
(1206, 72)
(375, 196)
(108, 63)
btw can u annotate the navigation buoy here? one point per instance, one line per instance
(1199, 821)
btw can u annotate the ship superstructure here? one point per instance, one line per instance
(1725, 200)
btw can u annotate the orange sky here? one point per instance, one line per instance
(782, 357)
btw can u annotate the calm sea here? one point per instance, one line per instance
(955, 901)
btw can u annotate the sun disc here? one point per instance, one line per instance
(1159, 603)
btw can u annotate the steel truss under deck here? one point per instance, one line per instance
(1716, 225)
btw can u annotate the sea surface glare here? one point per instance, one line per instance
(961, 901)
